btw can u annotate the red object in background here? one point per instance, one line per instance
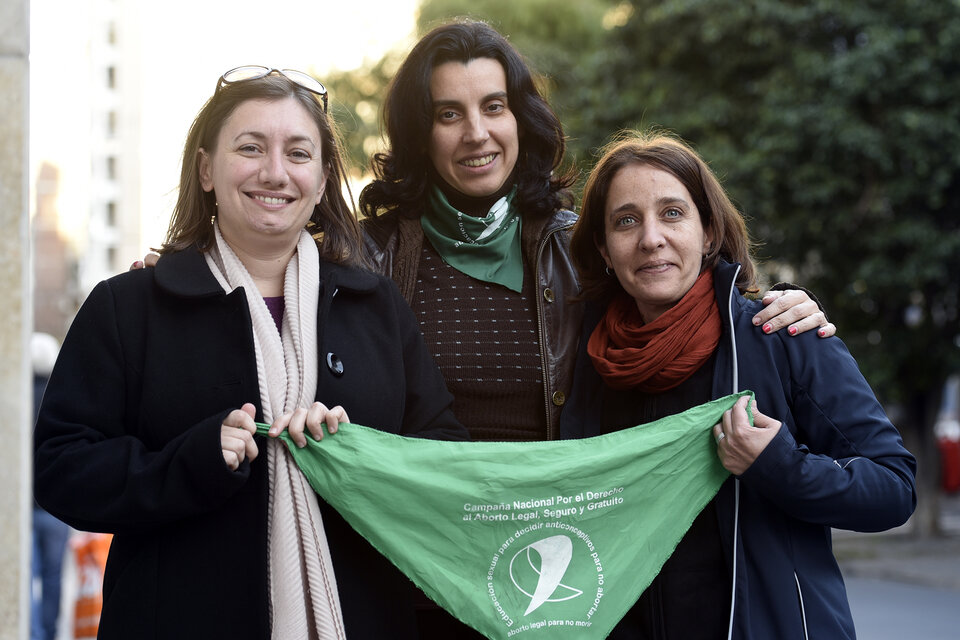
(949, 463)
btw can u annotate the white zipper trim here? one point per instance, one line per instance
(736, 481)
(736, 519)
(733, 335)
(847, 463)
(803, 611)
(736, 538)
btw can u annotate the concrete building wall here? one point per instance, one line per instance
(15, 401)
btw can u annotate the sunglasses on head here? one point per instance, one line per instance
(255, 72)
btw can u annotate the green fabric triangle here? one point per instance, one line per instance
(532, 539)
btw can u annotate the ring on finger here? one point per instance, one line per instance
(721, 437)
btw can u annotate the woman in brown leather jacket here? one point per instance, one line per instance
(470, 215)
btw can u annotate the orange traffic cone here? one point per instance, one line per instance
(91, 551)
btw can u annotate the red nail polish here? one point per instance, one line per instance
(767, 328)
(792, 331)
(821, 332)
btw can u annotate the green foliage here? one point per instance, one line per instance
(551, 35)
(355, 100)
(836, 126)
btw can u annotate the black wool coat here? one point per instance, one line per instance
(128, 442)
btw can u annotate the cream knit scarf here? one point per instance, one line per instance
(303, 590)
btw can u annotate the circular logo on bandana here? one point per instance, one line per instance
(545, 575)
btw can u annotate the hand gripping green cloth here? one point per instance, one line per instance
(525, 539)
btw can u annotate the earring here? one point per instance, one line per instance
(607, 271)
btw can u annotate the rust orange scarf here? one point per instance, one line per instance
(660, 355)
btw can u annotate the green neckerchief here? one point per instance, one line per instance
(487, 249)
(534, 540)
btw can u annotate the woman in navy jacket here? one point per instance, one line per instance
(145, 427)
(664, 257)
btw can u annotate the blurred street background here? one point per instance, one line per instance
(834, 125)
(901, 586)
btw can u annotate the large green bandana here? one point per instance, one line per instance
(487, 249)
(528, 539)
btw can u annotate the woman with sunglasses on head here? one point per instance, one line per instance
(146, 428)
(665, 260)
(469, 214)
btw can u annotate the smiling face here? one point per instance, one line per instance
(653, 237)
(474, 140)
(267, 173)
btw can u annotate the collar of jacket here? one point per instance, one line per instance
(534, 231)
(185, 274)
(724, 285)
(382, 228)
(726, 376)
(395, 240)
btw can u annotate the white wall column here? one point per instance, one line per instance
(16, 308)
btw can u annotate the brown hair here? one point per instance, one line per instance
(333, 222)
(663, 151)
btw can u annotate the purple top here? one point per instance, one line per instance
(275, 305)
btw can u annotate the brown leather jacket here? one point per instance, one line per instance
(395, 241)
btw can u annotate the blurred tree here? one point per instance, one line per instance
(355, 99)
(836, 126)
(551, 36)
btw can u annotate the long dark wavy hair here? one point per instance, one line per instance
(661, 150)
(402, 173)
(333, 222)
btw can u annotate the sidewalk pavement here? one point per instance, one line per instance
(901, 557)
